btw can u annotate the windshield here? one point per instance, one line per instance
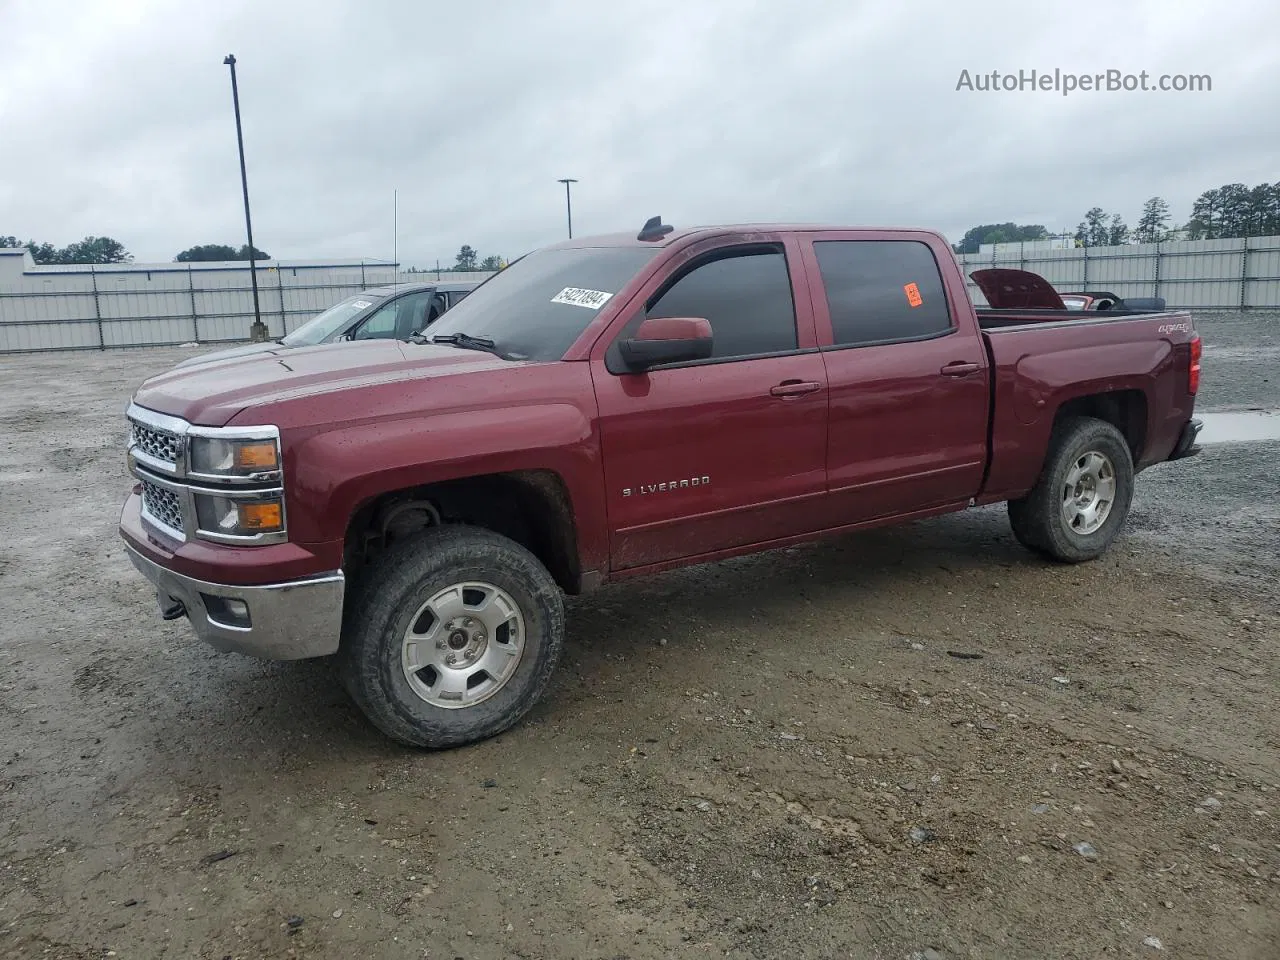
(537, 307)
(320, 327)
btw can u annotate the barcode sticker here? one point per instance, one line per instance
(577, 297)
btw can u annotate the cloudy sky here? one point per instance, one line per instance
(115, 117)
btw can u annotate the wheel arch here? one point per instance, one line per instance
(532, 507)
(1126, 410)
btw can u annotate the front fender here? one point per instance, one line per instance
(333, 472)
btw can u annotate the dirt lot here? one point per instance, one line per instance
(888, 746)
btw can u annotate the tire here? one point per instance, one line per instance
(1040, 519)
(390, 675)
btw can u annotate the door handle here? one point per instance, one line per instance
(795, 388)
(960, 368)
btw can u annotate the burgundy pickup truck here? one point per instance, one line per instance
(615, 406)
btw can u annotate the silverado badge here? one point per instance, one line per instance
(670, 485)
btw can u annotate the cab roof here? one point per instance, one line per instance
(668, 235)
(448, 286)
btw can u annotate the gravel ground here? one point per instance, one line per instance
(912, 743)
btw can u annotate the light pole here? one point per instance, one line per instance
(568, 207)
(258, 331)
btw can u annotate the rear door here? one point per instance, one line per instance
(415, 313)
(433, 308)
(715, 454)
(907, 372)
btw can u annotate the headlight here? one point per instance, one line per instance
(218, 457)
(237, 516)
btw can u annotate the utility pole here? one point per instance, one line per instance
(568, 207)
(258, 332)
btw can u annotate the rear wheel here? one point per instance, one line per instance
(1080, 502)
(452, 638)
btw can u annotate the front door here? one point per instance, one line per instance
(396, 319)
(720, 453)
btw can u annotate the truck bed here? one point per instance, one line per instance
(1042, 358)
(990, 318)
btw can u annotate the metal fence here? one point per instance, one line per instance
(83, 308)
(94, 308)
(1206, 274)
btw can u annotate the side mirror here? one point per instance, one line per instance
(667, 340)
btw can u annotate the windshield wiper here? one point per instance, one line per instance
(464, 340)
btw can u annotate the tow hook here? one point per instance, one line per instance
(171, 609)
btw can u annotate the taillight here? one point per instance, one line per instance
(1193, 371)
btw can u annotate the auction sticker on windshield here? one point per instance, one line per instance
(361, 304)
(577, 297)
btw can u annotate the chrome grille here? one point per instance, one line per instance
(157, 444)
(162, 505)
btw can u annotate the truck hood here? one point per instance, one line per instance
(244, 350)
(211, 394)
(1008, 289)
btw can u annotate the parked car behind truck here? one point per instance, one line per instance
(1007, 287)
(379, 313)
(611, 407)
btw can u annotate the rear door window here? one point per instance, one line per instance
(412, 314)
(882, 291)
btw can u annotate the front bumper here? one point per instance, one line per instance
(1186, 445)
(280, 621)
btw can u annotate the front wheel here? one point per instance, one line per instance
(452, 637)
(1080, 502)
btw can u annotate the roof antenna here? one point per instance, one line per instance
(654, 229)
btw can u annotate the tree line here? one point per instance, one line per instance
(468, 261)
(1097, 229)
(1236, 210)
(206, 252)
(88, 250)
(1232, 210)
(109, 250)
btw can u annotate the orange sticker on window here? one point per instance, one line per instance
(913, 294)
